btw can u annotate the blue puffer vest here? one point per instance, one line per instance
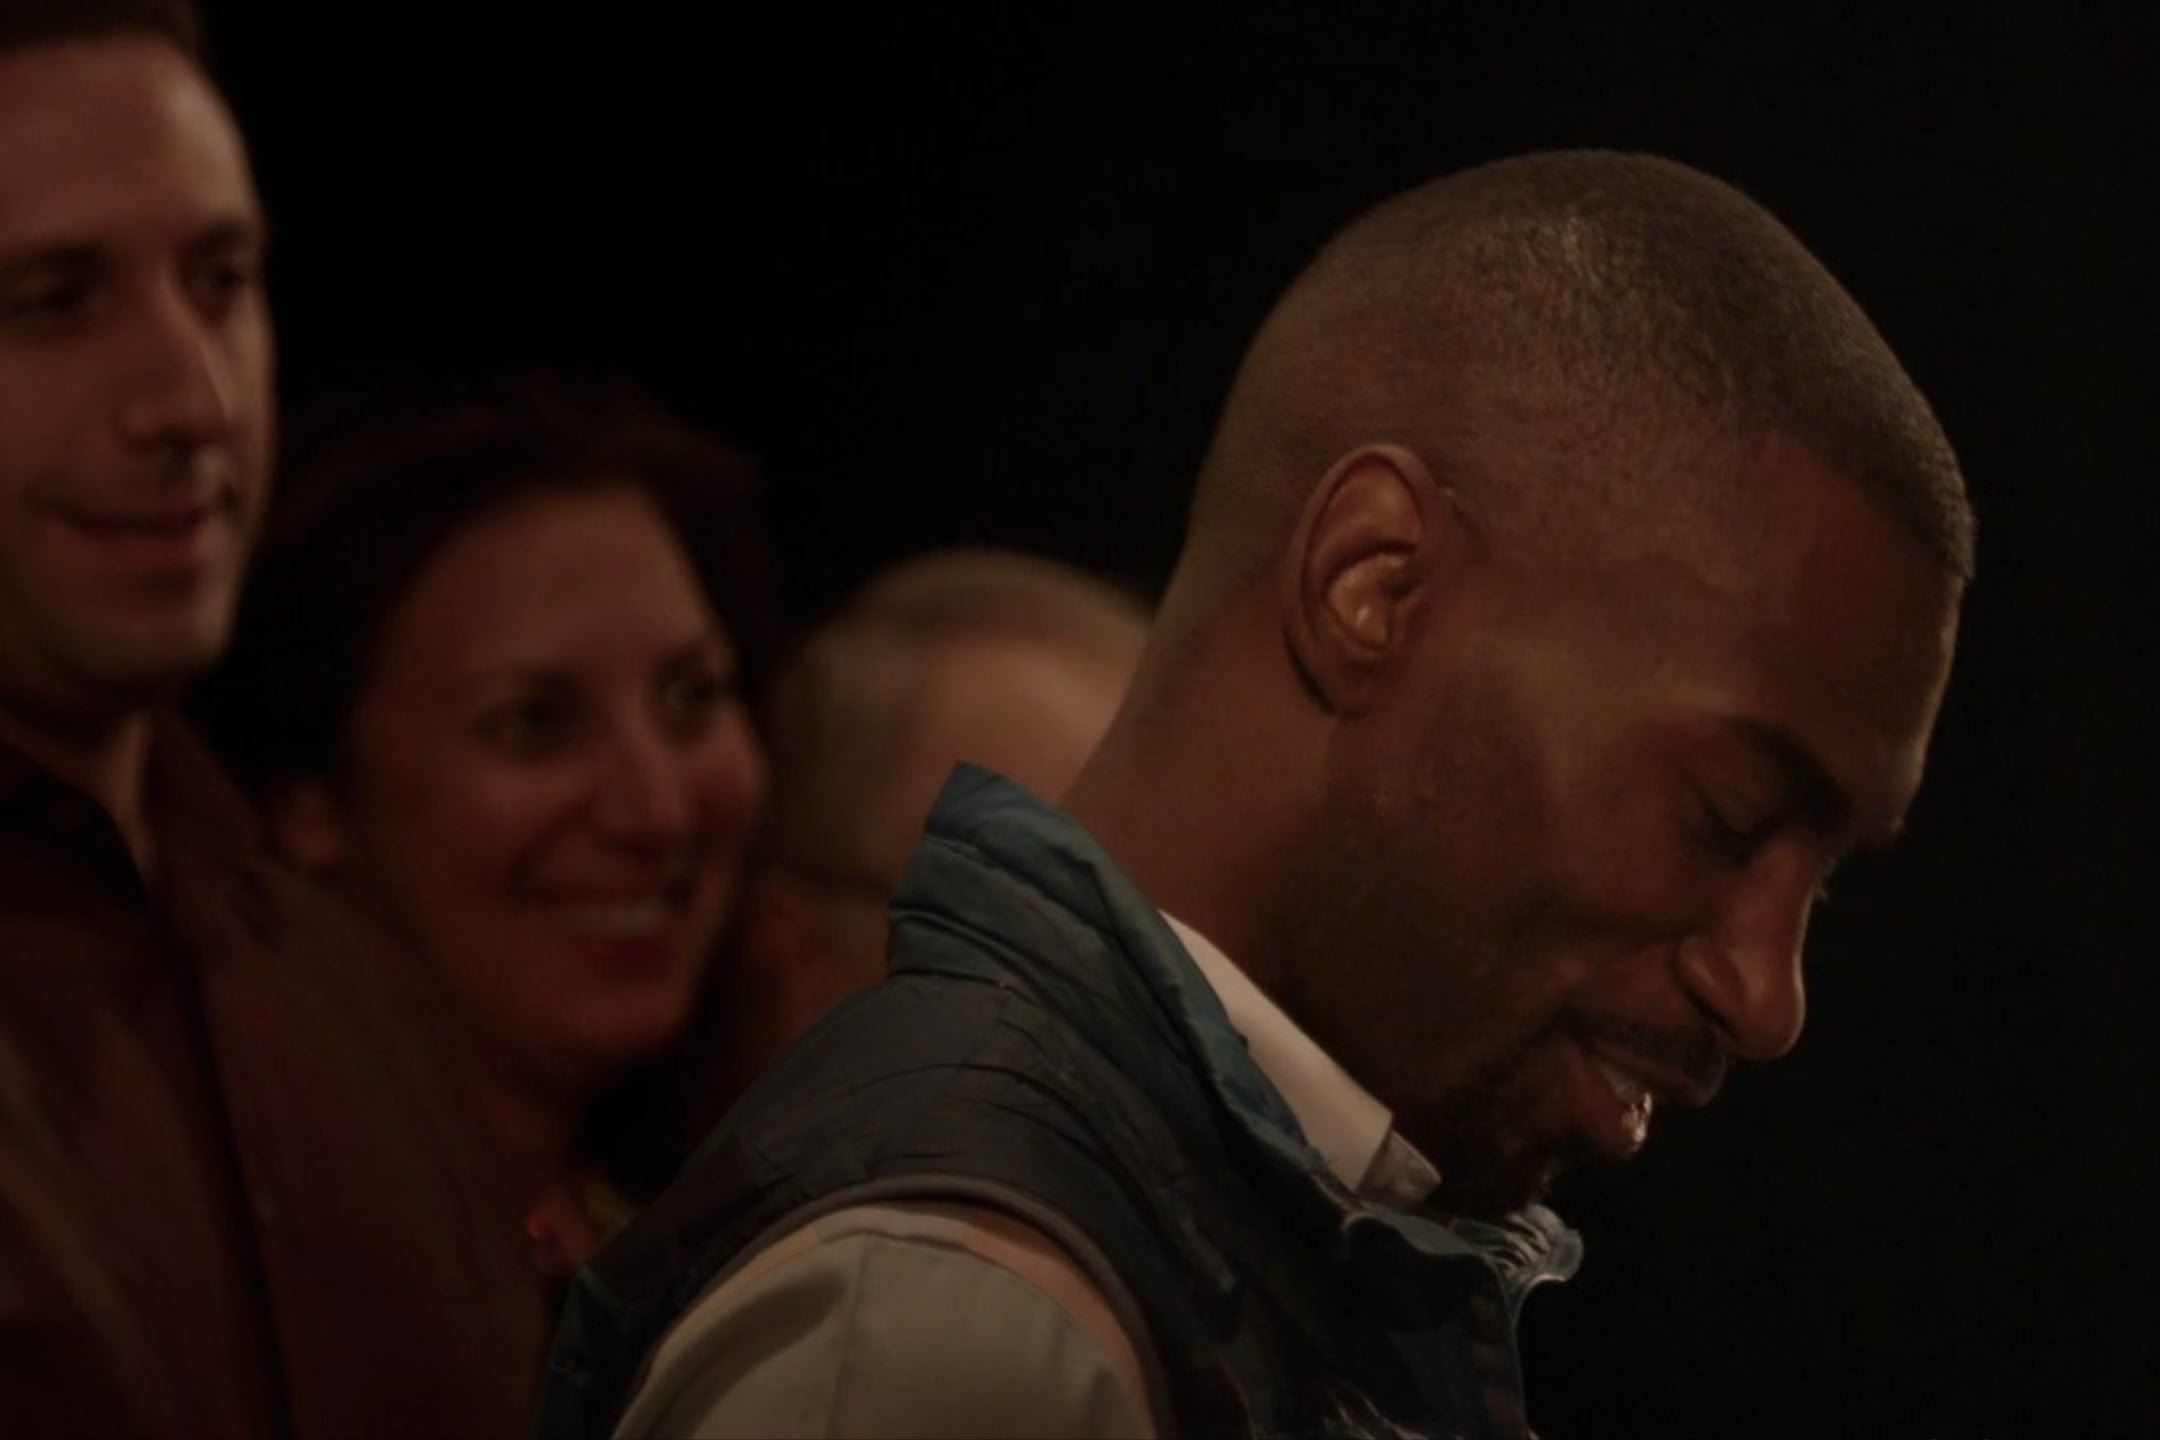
(1044, 1044)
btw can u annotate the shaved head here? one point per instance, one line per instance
(1584, 348)
(1572, 577)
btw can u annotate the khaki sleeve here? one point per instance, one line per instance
(892, 1321)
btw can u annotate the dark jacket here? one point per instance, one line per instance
(1044, 1044)
(234, 1198)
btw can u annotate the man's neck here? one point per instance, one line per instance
(1198, 842)
(108, 761)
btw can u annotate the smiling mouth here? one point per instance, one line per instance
(1635, 1101)
(168, 540)
(636, 919)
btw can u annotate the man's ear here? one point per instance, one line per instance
(1377, 533)
(306, 820)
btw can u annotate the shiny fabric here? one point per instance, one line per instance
(1045, 1045)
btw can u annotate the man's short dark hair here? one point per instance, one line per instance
(24, 23)
(1569, 338)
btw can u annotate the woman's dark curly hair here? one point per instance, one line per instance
(372, 488)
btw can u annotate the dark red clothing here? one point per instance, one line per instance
(238, 1195)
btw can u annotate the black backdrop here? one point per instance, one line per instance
(984, 278)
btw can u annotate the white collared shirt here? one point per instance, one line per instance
(936, 1318)
(1354, 1133)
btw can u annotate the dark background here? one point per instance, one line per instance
(984, 279)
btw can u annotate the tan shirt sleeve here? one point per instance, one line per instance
(898, 1320)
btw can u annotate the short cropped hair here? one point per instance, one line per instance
(25, 23)
(1573, 341)
(837, 721)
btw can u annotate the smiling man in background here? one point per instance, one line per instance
(230, 1201)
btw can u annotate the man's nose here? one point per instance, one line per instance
(1745, 970)
(182, 386)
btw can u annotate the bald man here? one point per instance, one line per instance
(1570, 585)
(1011, 661)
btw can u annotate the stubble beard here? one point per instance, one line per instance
(1490, 1164)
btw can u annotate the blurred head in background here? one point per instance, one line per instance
(1010, 661)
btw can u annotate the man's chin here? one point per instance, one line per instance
(128, 690)
(1491, 1180)
(150, 662)
(1492, 1196)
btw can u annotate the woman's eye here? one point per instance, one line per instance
(527, 724)
(687, 700)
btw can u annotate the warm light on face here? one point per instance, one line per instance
(1576, 868)
(552, 779)
(135, 372)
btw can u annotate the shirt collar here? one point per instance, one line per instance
(1354, 1133)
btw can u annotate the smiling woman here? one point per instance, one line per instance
(487, 681)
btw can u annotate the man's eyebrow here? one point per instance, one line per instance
(1818, 800)
(35, 255)
(238, 237)
(240, 230)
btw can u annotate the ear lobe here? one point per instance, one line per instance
(1360, 560)
(306, 820)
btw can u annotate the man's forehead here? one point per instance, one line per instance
(1805, 633)
(1847, 632)
(114, 132)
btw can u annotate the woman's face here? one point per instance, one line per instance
(550, 781)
